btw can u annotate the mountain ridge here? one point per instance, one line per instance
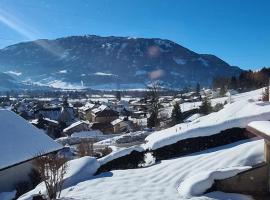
(118, 62)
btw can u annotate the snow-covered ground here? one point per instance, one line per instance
(171, 179)
(255, 94)
(237, 114)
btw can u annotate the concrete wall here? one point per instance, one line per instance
(252, 182)
(12, 176)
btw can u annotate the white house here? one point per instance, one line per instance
(20, 144)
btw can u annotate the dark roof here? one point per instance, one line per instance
(107, 113)
(101, 125)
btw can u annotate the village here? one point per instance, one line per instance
(117, 130)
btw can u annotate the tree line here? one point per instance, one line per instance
(246, 81)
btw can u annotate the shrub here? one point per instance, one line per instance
(52, 169)
(85, 148)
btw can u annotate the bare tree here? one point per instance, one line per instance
(52, 169)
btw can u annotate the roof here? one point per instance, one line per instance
(99, 125)
(114, 122)
(100, 108)
(260, 128)
(107, 113)
(21, 141)
(87, 106)
(75, 124)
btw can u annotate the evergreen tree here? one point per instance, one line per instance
(152, 121)
(198, 88)
(206, 107)
(118, 95)
(222, 91)
(265, 94)
(233, 83)
(177, 116)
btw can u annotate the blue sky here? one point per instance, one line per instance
(237, 31)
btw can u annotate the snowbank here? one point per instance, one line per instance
(238, 114)
(80, 169)
(198, 184)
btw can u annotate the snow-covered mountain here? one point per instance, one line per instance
(111, 62)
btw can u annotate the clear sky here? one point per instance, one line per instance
(237, 31)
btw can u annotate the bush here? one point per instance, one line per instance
(52, 169)
(85, 148)
(218, 107)
(106, 151)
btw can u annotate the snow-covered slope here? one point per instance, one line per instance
(21, 141)
(237, 114)
(162, 181)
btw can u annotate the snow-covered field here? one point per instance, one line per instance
(171, 179)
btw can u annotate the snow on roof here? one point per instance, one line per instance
(199, 183)
(114, 122)
(100, 108)
(51, 120)
(75, 124)
(261, 126)
(237, 114)
(21, 141)
(87, 106)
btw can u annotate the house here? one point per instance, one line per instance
(103, 114)
(48, 112)
(106, 128)
(67, 115)
(85, 111)
(51, 127)
(119, 125)
(64, 114)
(20, 144)
(78, 126)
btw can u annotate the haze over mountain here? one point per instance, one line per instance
(110, 63)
